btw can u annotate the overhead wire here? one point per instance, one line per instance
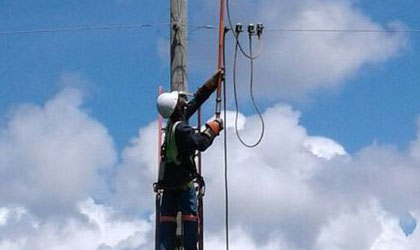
(79, 28)
(196, 28)
(97, 28)
(346, 30)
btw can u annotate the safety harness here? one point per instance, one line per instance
(170, 152)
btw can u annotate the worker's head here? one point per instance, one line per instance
(171, 105)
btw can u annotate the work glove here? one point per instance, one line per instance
(213, 128)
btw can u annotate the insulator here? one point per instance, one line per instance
(239, 28)
(251, 29)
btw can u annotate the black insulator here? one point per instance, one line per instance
(260, 29)
(239, 28)
(251, 29)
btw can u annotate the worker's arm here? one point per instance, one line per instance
(202, 94)
(189, 141)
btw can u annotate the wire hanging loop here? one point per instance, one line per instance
(251, 31)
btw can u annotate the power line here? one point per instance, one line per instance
(77, 29)
(348, 30)
(338, 30)
(194, 27)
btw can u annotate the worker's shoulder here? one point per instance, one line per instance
(183, 127)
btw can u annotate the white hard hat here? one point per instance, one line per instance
(166, 103)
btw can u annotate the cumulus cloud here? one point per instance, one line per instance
(132, 184)
(100, 228)
(285, 190)
(323, 147)
(51, 156)
(302, 62)
(295, 191)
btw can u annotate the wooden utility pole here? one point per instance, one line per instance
(179, 78)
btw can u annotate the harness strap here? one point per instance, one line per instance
(189, 217)
(178, 188)
(171, 150)
(164, 218)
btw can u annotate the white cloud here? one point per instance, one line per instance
(373, 228)
(282, 188)
(415, 145)
(100, 227)
(283, 195)
(239, 239)
(137, 172)
(4, 213)
(51, 156)
(323, 147)
(295, 64)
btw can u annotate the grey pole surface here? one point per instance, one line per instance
(179, 78)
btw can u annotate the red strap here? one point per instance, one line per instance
(167, 219)
(189, 217)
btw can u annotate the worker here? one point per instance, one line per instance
(178, 169)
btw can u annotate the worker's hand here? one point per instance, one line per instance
(213, 128)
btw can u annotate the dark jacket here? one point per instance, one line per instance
(188, 141)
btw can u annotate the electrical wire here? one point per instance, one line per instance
(225, 145)
(196, 28)
(77, 29)
(236, 35)
(99, 28)
(251, 92)
(338, 30)
(348, 30)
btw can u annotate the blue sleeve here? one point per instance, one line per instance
(188, 140)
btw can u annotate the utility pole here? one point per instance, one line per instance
(179, 78)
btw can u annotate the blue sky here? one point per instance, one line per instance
(340, 159)
(381, 103)
(123, 69)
